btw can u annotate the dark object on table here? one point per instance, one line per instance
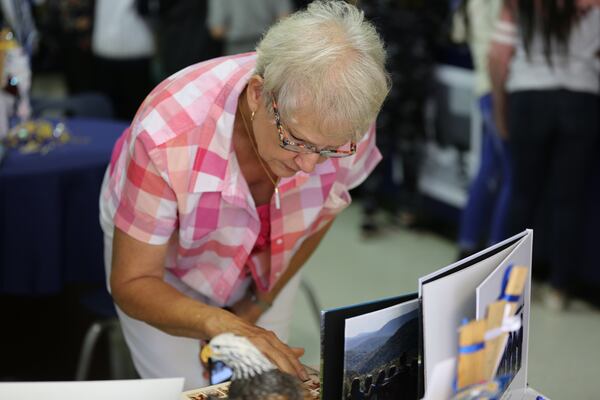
(254, 376)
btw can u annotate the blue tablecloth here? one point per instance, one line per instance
(49, 230)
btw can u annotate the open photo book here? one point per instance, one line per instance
(462, 335)
(411, 346)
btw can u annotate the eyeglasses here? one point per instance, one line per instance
(298, 146)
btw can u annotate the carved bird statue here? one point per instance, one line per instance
(254, 376)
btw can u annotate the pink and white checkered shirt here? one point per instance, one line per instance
(174, 177)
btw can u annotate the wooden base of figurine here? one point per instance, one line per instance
(221, 391)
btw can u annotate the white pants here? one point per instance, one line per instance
(157, 354)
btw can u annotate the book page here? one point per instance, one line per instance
(513, 360)
(379, 349)
(449, 295)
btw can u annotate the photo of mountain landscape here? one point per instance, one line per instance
(378, 347)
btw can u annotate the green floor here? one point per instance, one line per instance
(564, 347)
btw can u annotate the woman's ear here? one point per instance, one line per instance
(254, 92)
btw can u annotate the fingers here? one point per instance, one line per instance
(298, 351)
(285, 358)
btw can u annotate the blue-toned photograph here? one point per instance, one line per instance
(378, 350)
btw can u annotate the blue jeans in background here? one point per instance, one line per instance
(484, 217)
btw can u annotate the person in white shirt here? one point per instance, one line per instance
(123, 45)
(241, 23)
(548, 64)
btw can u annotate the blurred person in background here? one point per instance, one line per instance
(411, 29)
(484, 217)
(227, 180)
(241, 23)
(123, 45)
(182, 36)
(544, 55)
(72, 24)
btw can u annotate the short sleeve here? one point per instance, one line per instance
(147, 208)
(364, 161)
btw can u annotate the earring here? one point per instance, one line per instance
(252, 116)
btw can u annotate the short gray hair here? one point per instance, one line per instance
(329, 61)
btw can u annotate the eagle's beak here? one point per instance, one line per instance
(205, 354)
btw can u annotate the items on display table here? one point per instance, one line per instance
(254, 375)
(464, 335)
(51, 244)
(7, 90)
(490, 348)
(15, 81)
(47, 246)
(222, 391)
(406, 347)
(28, 136)
(38, 136)
(492, 290)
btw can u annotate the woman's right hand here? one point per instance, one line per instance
(140, 291)
(284, 357)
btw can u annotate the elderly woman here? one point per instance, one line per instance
(226, 182)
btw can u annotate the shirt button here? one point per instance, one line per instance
(279, 241)
(278, 274)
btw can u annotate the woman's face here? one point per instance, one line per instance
(301, 128)
(283, 162)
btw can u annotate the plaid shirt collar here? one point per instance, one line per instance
(230, 181)
(234, 189)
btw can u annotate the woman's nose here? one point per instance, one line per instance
(307, 161)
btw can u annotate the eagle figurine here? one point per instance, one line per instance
(254, 376)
